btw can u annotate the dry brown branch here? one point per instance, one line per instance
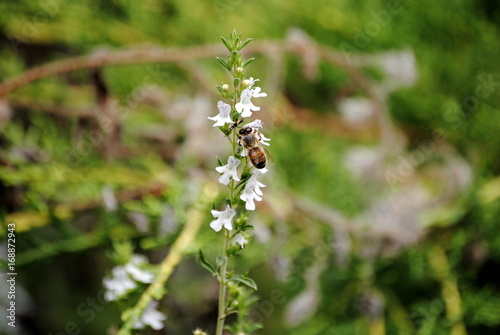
(270, 48)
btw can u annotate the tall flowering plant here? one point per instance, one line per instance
(241, 175)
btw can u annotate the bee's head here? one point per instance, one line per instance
(245, 130)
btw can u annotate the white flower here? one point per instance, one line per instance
(252, 191)
(263, 139)
(124, 278)
(252, 82)
(256, 93)
(134, 270)
(223, 117)
(119, 284)
(228, 170)
(255, 124)
(151, 317)
(223, 219)
(245, 106)
(239, 239)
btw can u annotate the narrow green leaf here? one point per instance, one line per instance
(244, 280)
(250, 60)
(245, 42)
(219, 162)
(206, 264)
(247, 227)
(226, 43)
(223, 63)
(219, 88)
(236, 82)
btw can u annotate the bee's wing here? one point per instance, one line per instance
(268, 155)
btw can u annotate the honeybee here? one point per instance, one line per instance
(250, 139)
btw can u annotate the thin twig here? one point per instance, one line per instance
(159, 55)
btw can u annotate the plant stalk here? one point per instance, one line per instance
(223, 285)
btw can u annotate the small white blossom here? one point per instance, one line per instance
(264, 140)
(134, 270)
(245, 107)
(255, 124)
(228, 170)
(118, 285)
(150, 317)
(239, 239)
(252, 81)
(124, 278)
(223, 218)
(223, 117)
(252, 191)
(256, 93)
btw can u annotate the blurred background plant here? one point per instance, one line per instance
(383, 215)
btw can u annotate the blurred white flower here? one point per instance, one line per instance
(363, 162)
(223, 218)
(118, 285)
(394, 221)
(134, 270)
(229, 170)
(109, 199)
(151, 317)
(140, 220)
(124, 278)
(245, 106)
(399, 66)
(223, 117)
(356, 111)
(239, 239)
(252, 191)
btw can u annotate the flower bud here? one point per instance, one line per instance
(239, 70)
(245, 83)
(198, 331)
(225, 87)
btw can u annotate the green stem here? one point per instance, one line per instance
(227, 238)
(223, 285)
